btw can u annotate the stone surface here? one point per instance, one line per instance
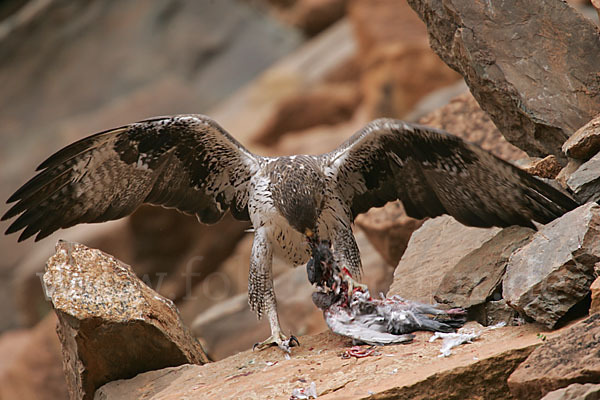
(388, 229)
(595, 289)
(412, 371)
(230, 326)
(584, 143)
(111, 325)
(433, 250)
(31, 363)
(554, 271)
(571, 357)
(392, 45)
(463, 117)
(575, 391)
(547, 167)
(311, 16)
(494, 312)
(514, 72)
(585, 181)
(478, 275)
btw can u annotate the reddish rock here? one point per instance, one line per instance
(414, 371)
(554, 271)
(31, 363)
(584, 143)
(547, 167)
(388, 229)
(433, 250)
(575, 391)
(111, 325)
(595, 289)
(572, 357)
(514, 72)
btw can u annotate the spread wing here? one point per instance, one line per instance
(186, 162)
(434, 173)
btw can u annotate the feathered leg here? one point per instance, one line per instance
(261, 294)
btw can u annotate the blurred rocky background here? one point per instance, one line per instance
(301, 76)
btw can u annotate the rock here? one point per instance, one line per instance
(585, 181)
(554, 271)
(595, 289)
(494, 312)
(584, 143)
(111, 325)
(565, 173)
(514, 72)
(463, 117)
(571, 357)
(392, 46)
(433, 250)
(575, 391)
(388, 228)
(30, 366)
(413, 371)
(328, 104)
(311, 16)
(547, 167)
(478, 275)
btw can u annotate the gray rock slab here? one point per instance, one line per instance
(585, 181)
(478, 275)
(110, 324)
(433, 250)
(533, 66)
(576, 391)
(554, 271)
(571, 357)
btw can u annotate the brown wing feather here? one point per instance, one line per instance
(187, 162)
(434, 173)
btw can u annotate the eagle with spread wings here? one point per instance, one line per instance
(190, 163)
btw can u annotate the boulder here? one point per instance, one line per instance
(547, 167)
(111, 325)
(571, 357)
(433, 250)
(478, 275)
(595, 289)
(515, 70)
(575, 391)
(494, 312)
(388, 229)
(413, 371)
(31, 363)
(585, 142)
(585, 181)
(392, 46)
(554, 271)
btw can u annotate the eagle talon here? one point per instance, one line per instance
(279, 341)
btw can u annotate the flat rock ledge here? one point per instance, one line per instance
(411, 371)
(110, 324)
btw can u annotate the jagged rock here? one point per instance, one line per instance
(111, 325)
(433, 250)
(564, 175)
(514, 72)
(494, 312)
(554, 271)
(585, 142)
(388, 229)
(575, 391)
(595, 289)
(30, 366)
(571, 357)
(547, 167)
(463, 117)
(414, 371)
(478, 275)
(585, 181)
(392, 46)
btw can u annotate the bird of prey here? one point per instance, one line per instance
(190, 163)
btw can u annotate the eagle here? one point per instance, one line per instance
(190, 163)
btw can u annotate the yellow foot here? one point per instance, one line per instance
(278, 340)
